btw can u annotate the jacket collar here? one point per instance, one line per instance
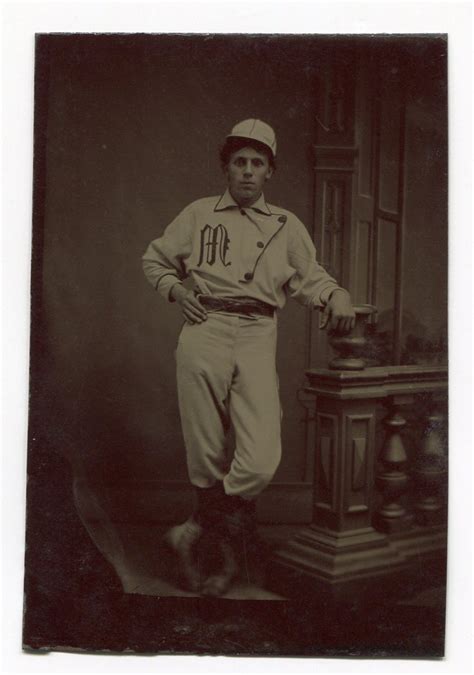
(227, 201)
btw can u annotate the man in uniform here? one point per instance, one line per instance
(244, 257)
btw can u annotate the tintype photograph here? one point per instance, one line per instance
(238, 382)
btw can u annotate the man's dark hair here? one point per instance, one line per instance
(234, 144)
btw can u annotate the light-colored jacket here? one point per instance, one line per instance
(262, 252)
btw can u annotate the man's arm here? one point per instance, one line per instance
(313, 286)
(163, 261)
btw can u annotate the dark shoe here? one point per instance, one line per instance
(226, 539)
(218, 583)
(215, 552)
(251, 551)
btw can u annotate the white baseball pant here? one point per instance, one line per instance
(227, 376)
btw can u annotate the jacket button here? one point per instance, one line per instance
(282, 219)
(260, 244)
(242, 212)
(248, 276)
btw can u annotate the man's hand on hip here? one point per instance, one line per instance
(339, 315)
(193, 311)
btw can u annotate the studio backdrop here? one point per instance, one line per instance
(127, 133)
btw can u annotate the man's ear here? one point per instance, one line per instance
(269, 173)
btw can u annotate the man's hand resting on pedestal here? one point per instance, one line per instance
(339, 315)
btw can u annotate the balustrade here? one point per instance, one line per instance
(376, 511)
(430, 472)
(392, 480)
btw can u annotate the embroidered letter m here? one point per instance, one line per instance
(214, 244)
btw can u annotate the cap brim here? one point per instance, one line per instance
(255, 140)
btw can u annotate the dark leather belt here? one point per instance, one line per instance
(246, 306)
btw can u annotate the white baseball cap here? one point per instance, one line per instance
(255, 130)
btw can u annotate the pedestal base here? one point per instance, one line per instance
(421, 543)
(360, 566)
(323, 561)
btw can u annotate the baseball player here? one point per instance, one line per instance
(244, 258)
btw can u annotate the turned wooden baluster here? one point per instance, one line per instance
(430, 473)
(392, 480)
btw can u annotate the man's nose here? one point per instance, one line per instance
(248, 169)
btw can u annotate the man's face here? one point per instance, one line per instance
(246, 173)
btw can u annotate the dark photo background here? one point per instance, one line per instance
(127, 130)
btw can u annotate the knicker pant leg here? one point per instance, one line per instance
(204, 372)
(255, 409)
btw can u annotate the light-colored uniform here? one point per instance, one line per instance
(226, 365)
